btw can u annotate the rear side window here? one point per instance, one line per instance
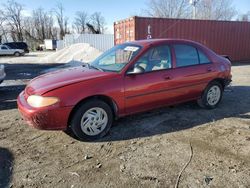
(203, 58)
(22, 44)
(186, 55)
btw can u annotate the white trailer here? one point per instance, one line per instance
(50, 44)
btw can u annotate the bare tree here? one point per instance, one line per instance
(206, 9)
(30, 32)
(39, 17)
(2, 29)
(92, 29)
(244, 17)
(43, 24)
(97, 21)
(2, 17)
(13, 15)
(61, 20)
(80, 22)
(49, 26)
(39, 26)
(168, 8)
(216, 10)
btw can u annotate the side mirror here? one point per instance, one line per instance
(136, 70)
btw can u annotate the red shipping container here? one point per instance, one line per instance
(230, 38)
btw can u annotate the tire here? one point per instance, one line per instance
(211, 96)
(86, 119)
(17, 54)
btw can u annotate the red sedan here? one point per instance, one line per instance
(127, 79)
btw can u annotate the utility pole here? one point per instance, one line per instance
(193, 3)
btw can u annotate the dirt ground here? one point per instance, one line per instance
(144, 150)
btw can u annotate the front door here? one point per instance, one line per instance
(152, 88)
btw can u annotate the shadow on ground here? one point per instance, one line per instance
(6, 167)
(235, 103)
(8, 96)
(17, 73)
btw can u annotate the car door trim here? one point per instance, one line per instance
(164, 90)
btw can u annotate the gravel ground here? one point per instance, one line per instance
(143, 150)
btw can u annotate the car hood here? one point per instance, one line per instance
(63, 77)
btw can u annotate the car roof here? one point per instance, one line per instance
(149, 42)
(158, 41)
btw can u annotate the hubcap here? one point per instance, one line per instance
(213, 95)
(94, 121)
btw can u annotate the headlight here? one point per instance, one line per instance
(39, 101)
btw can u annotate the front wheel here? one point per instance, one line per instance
(92, 120)
(17, 54)
(212, 95)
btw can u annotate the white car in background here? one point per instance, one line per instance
(2, 73)
(5, 50)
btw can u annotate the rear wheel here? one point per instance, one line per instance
(92, 120)
(212, 95)
(17, 54)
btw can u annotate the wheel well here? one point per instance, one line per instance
(103, 98)
(220, 80)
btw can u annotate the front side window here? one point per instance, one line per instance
(186, 55)
(4, 48)
(116, 58)
(157, 58)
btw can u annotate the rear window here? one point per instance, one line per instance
(22, 44)
(186, 55)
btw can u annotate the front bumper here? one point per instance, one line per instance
(48, 118)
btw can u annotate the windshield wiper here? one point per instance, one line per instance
(91, 67)
(86, 65)
(97, 68)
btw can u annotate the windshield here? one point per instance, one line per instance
(116, 58)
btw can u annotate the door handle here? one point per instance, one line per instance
(167, 77)
(209, 69)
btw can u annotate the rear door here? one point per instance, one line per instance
(193, 70)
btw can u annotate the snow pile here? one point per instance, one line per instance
(77, 52)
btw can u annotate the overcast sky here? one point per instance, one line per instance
(112, 10)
